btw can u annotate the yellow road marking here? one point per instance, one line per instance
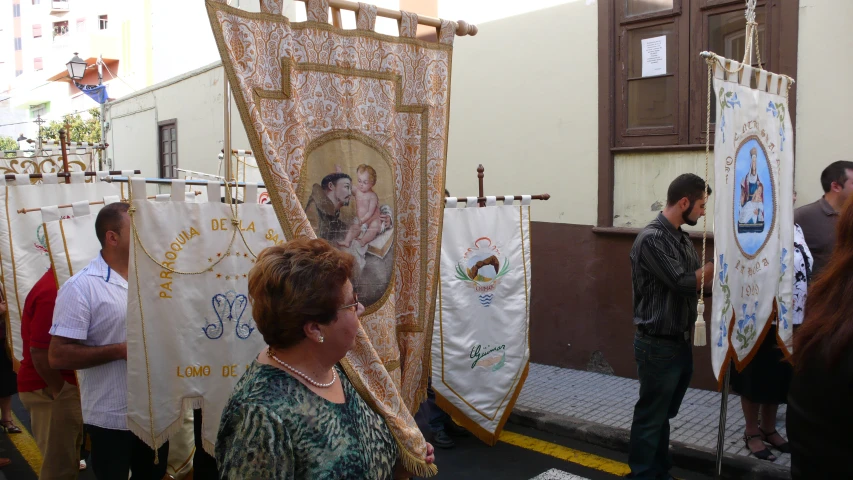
(565, 453)
(26, 445)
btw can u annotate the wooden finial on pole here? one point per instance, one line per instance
(62, 144)
(480, 175)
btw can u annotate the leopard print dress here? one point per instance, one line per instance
(274, 427)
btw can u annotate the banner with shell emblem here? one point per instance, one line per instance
(24, 240)
(480, 346)
(754, 213)
(190, 332)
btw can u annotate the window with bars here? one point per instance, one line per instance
(102, 22)
(60, 29)
(38, 110)
(168, 148)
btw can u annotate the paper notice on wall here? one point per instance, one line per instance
(654, 56)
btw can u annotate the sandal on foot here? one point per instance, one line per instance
(764, 454)
(9, 427)
(783, 447)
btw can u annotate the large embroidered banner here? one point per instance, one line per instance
(23, 242)
(349, 128)
(190, 333)
(480, 347)
(754, 213)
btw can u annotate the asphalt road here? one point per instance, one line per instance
(522, 454)
(541, 452)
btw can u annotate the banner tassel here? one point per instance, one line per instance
(699, 334)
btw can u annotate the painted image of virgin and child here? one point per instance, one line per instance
(751, 217)
(353, 218)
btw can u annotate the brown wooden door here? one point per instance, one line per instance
(169, 149)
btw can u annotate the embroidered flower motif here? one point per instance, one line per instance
(723, 333)
(724, 286)
(733, 100)
(778, 111)
(746, 327)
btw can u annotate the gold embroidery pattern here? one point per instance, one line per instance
(408, 25)
(365, 18)
(297, 82)
(317, 10)
(272, 6)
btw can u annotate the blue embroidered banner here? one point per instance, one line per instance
(97, 93)
(753, 214)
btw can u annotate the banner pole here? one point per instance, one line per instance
(721, 433)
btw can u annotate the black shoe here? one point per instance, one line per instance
(441, 439)
(783, 447)
(455, 430)
(764, 454)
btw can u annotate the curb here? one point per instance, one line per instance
(688, 457)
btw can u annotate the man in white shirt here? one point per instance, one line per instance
(90, 336)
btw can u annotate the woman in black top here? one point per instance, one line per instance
(820, 419)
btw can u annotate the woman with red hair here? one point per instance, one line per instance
(820, 422)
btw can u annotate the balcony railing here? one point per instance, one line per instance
(59, 5)
(59, 31)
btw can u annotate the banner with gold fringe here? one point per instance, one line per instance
(480, 347)
(349, 128)
(190, 331)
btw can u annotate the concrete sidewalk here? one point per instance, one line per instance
(598, 408)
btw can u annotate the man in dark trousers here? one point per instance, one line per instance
(666, 277)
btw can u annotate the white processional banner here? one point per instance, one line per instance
(754, 214)
(190, 332)
(71, 242)
(480, 347)
(23, 242)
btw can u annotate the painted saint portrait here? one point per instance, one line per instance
(754, 204)
(347, 190)
(751, 198)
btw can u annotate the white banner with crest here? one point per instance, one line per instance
(480, 346)
(23, 242)
(754, 213)
(190, 332)
(71, 242)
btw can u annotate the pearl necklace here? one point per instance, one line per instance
(312, 382)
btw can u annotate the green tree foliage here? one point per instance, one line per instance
(81, 130)
(8, 143)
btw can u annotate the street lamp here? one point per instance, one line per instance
(76, 67)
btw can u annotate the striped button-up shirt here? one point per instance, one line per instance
(92, 307)
(663, 273)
